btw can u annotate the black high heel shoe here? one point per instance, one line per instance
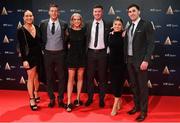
(33, 107)
(78, 102)
(37, 99)
(69, 107)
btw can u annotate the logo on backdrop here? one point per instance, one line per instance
(4, 11)
(7, 66)
(19, 25)
(75, 10)
(168, 41)
(170, 55)
(149, 84)
(22, 80)
(10, 79)
(169, 11)
(6, 40)
(166, 71)
(152, 70)
(111, 11)
(9, 52)
(43, 10)
(172, 25)
(126, 83)
(154, 56)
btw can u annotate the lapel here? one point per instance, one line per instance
(46, 25)
(137, 28)
(61, 27)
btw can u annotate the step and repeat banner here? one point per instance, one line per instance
(164, 72)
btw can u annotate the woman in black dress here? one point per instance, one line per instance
(117, 65)
(76, 58)
(29, 43)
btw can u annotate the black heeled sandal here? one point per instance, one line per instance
(37, 99)
(69, 107)
(78, 102)
(33, 107)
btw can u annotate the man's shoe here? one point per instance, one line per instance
(51, 103)
(141, 117)
(133, 111)
(101, 104)
(88, 102)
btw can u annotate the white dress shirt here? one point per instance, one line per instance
(100, 44)
(57, 25)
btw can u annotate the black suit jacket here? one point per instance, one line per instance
(43, 29)
(88, 26)
(143, 43)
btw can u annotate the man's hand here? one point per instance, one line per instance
(144, 65)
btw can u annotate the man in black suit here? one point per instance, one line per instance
(97, 34)
(54, 47)
(139, 45)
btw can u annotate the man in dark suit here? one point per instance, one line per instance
(54, 47)
(139, 45)
(97, 34)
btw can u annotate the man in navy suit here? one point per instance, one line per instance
(139, 45)
(97, 35)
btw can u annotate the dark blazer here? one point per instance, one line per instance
(43, 29)
(107, 27)
(143, 43)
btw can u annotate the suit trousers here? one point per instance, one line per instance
(55, 63)
(96, 63)
(138, 81)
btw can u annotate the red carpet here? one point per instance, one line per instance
(14, 107)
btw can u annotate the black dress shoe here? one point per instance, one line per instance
(133, 111)
(101, 104)
(51, 103)
(141, 117)
(88, 102)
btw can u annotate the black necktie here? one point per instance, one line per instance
(132, 29)
(53, 28)
(96, 34)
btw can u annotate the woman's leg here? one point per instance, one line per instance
(115, 106)
(71, 74)
(30, 87)
(36, 87)
(79, 82)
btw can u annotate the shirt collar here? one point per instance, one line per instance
(50, 21)
(137, 21)
(100, 21)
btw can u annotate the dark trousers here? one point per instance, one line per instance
(55, 63)
(96, 61)
(138, 81)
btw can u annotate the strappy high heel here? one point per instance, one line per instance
(69, 107)
(78, 102)
(33, 107)
(37, 99)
